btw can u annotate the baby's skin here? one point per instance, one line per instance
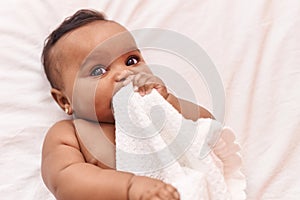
(69, 169)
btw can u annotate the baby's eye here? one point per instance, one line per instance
(132, 60)
(98, 71)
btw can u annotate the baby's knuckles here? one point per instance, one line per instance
(162, 90)
(144, 188)
(146, 82)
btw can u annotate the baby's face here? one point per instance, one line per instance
(98, 57)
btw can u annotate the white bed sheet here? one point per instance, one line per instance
(254, 44)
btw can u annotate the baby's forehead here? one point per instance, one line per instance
(112, 48)
(105, 40)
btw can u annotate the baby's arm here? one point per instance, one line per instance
(68, 176)
(146, 82)
(188, 109)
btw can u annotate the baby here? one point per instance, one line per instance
(69, 170)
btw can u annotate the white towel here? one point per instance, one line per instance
(153, 139)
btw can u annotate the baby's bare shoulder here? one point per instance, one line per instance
(60, 150)
(61, 133)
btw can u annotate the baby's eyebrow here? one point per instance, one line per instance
(96, 57)
(133, 50)
(104, 57)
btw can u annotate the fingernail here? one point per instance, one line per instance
(176, 195)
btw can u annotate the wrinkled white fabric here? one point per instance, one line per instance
(154, 140)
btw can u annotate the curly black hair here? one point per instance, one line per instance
(79, 19)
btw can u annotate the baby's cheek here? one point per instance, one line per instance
(83, 99)
(103, 107)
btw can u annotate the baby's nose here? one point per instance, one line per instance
(121, 76)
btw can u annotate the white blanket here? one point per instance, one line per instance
(153, 139)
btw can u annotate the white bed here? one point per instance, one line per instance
(255, 46)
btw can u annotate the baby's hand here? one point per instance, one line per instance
(144, 83)
(144, 188)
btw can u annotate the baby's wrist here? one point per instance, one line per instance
(171, 99)
(168, 95)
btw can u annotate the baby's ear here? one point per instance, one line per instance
(61, 99)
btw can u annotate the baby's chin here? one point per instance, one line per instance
(108, 118)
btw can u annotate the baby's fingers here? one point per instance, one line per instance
(168, 192)
(146, 89)
(140, 79)
(173, 191)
